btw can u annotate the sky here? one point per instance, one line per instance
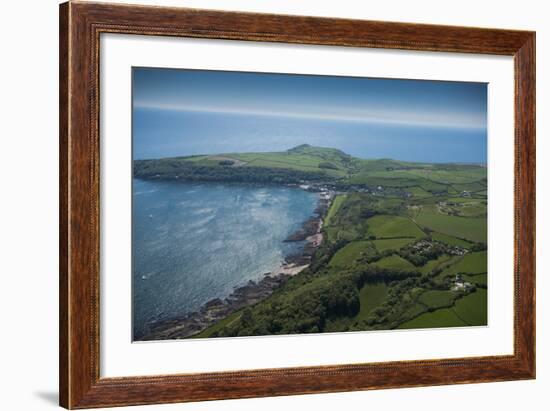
(182, 112)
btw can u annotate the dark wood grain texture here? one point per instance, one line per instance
(80, 27)
(63, 205)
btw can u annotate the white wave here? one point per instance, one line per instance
(201, 211)
(137, 193)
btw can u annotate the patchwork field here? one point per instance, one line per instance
(387, 226)
(441, 261)
(346, 256)
(445, 317)
(336, 204)
(472, 309)
(437, 298)
(370, 297)
(394, 262)
(391, 243)
(480, 280)
(452, 175)
(472, 229)
(472, 263)
(447, 239)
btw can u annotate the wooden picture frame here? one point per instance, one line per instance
(80, 27)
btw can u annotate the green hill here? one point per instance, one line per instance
(307, 163)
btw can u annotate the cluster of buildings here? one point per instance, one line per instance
(423, 246)
(456, 250)
(316, 187)
(460, 285)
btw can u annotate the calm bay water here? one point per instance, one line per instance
(193, 242)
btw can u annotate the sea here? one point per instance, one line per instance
(192, 242)
(158, 133)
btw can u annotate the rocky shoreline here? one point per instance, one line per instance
(254, 291)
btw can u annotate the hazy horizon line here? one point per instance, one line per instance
(357, 118)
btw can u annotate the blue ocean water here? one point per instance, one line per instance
(165, 133)
(192, 242)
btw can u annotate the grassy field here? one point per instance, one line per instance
(439, 262)
(474, 210)
(473, 229)
(472, 309)
(394, 262)
(473, 263)
(407, 183)
(472, 187)
(388, 226)
(414, 311)
(418, 192)
(335, 206)
(392, 243)
(346, 256)
(479, 280)
(371, 296)
(437, 298)
(465, 209)
(450, 176)
(463, 200)
(447, 239)
(445, 317)
(305, 158)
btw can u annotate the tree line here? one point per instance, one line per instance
(177, 169)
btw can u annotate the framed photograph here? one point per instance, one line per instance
(259, 205)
